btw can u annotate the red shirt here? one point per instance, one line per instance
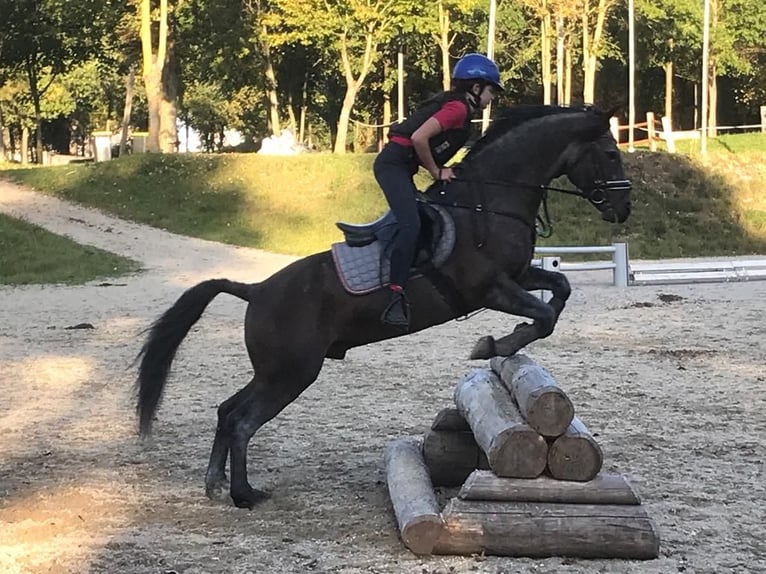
(451, 115)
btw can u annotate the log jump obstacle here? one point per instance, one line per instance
(529, 473)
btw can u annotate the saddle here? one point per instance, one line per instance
(362, 261)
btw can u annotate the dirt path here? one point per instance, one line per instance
(675, 390)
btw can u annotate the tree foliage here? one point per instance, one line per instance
(257, 65)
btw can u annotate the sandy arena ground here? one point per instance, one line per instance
(674, 387)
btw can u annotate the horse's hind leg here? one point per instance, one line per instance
(216, 483)
(263, 398)
(514, 298)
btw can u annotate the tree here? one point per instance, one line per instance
(42, 38)
(448, 16)
(353, 31)
(161, 73)
(593, 17)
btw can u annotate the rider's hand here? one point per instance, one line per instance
(445, 174)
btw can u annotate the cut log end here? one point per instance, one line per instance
(518, 453)
(420, 533)
(412, 495)
(551, 412)
(575, 458)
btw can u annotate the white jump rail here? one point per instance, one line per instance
(618, 265)
(697, 272)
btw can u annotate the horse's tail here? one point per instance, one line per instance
(166, 335)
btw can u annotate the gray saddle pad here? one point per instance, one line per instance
(366, 269)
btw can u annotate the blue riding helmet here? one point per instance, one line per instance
(477, 67)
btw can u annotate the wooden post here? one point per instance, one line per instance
(412, 495)
(650, 131)
(512, 447)
(614, 127)
(604, 489)
(575, 455)
(763, 119)
(544, 406)
(667, 132)
(542, 530)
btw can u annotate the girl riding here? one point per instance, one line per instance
(429, 137)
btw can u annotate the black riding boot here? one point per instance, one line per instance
(397, 312)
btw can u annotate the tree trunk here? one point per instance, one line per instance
(152, 84)
(171, 81)
(560, 60)
(292, 122)
(352, 87)
(444, 44)
(591, 45)
(2, 137)
(271, 86)
(712, 106)
(381, 136)
(24, 145)
(344, 119)
(587, 62)
(568, 72)
(304, 106)
(34, 92)
(153, 64)
(545, 53)
(129, 83)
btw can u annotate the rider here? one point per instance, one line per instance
(430, 137)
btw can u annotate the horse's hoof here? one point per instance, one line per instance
(217, 490)
(249, 499)
(484, 348)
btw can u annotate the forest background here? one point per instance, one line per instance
(71, 67)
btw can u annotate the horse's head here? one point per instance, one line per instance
(593, 163)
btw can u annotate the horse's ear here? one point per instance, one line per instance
(595, 124)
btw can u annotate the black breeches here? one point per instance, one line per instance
(394, 168)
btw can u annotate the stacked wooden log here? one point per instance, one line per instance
(530, 473)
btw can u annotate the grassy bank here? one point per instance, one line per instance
(684, 205)
(30, 254)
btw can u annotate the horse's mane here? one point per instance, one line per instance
(514, 117)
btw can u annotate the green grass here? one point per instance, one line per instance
(684, 205)
(281, 204)
(30, 254)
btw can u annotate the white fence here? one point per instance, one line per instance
(658, 273)
(618, 265)
(698, 272)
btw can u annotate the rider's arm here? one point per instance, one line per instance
(430, 128)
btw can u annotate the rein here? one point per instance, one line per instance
(545, 227)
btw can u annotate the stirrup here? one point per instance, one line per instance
(397, 312)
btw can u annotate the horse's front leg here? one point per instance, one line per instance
(536, 279)
(514, 298)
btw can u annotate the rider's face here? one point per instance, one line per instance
(486, 95)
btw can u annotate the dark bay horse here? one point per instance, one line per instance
(302, 315)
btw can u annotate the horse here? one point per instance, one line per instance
(302, 315)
